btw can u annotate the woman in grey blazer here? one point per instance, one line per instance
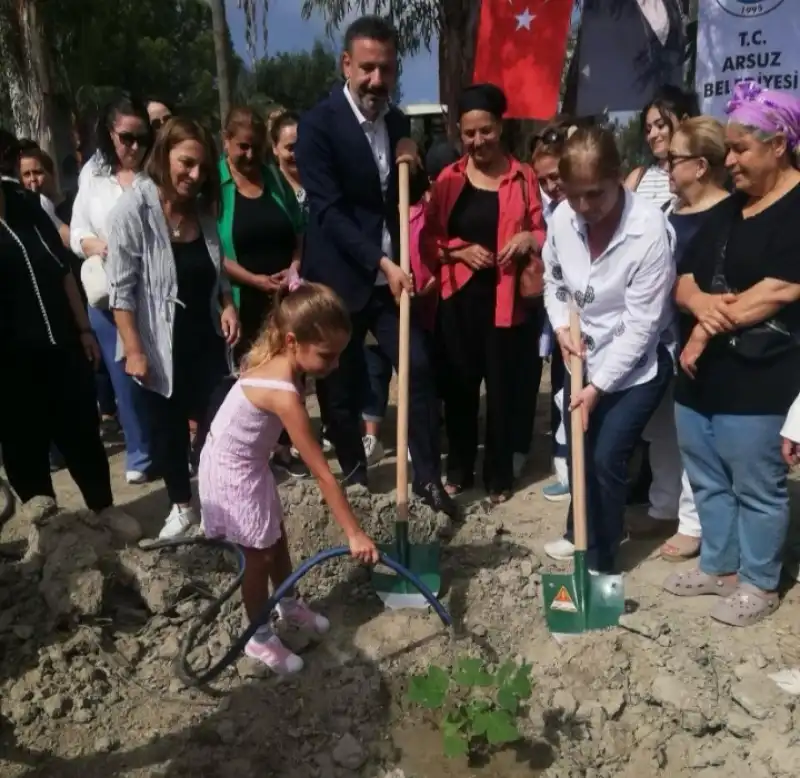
(171, 300)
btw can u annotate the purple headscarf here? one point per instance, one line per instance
(766, 109)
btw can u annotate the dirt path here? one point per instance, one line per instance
(88, 690)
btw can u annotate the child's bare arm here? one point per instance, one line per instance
(291, 411)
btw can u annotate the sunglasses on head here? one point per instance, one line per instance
(157, 124)
(131, 139)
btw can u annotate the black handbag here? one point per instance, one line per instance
(759, 342)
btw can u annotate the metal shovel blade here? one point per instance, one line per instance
(422, 559)
(581, 601)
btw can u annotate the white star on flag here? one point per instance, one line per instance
(524, 19)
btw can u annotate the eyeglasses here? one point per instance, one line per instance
(675, 159)
(131, 139)
(157, 124)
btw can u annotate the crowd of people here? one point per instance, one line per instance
(187, 295)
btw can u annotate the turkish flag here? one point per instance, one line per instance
(521, 47)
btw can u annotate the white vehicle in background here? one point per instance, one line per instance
(428, 122)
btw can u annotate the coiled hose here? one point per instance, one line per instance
(182, 667)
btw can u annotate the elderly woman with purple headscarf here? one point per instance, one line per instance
(740, 296)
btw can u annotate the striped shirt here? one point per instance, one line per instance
(142, 276)
(654, 186)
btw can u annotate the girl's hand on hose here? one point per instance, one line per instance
(363, 549)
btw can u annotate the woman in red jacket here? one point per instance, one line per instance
(484, 222)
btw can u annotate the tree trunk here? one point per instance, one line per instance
(41, 69)
(459, 26)
(221, 51)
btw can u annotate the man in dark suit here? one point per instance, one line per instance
(347, 149)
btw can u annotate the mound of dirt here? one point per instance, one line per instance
(88, 638)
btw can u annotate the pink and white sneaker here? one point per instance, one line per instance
(297, 614)
(274, 655)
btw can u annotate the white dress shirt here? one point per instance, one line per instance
(623, 297)
(378, 138)
(98, 192)
(50, 209)
(791, 427)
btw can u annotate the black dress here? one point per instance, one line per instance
(48, 394)
(264, 240)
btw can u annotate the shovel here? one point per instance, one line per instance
(422, 559)
(583, 600)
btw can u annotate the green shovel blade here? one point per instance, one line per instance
(581, 601)
(422, 559)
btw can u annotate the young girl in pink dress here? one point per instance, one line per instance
(305, 334)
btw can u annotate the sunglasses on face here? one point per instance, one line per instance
(131, 139)
(157, 124)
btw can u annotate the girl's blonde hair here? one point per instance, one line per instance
(311, 312)
(705, 137)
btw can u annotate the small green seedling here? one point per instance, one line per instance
(479, 708)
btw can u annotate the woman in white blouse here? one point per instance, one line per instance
(124, 137)
(608, 254)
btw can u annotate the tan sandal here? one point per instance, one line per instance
(679, 548)
(746, 606)
(696, 583)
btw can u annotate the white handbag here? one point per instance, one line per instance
(95, 281)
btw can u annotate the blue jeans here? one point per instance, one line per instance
(376, 390)
(615, 427)
(130, 400)
(738, 478)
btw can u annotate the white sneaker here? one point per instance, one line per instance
(136, 477)
(179, 521)
(520, 460)
(561, 550)
(373, 449)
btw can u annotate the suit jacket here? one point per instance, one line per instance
(347, 208)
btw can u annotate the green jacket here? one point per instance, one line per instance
(280, 191)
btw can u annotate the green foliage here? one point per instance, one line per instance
(297, 80)
(478, 708)
(630, 142)
(148, 47)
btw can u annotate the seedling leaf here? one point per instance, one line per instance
(505, 672)
(480, 724)
(471, 672)
(521, 685)
(501, 728)
(454, 745)
(430, 690)
(507, 700)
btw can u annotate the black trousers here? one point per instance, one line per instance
(196, 378)
(341, 394)
(50, 397)
(529, 377)
(478, 351)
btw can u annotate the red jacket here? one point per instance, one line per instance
(518, 183)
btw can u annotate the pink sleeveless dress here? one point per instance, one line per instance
(239, 499)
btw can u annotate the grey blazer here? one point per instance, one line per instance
(142, 276)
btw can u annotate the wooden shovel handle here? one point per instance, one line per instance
(404, 348)
(578, 474)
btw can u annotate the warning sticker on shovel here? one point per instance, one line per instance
(563, 602)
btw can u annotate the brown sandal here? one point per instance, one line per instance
(500, 497)
(679, 548)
